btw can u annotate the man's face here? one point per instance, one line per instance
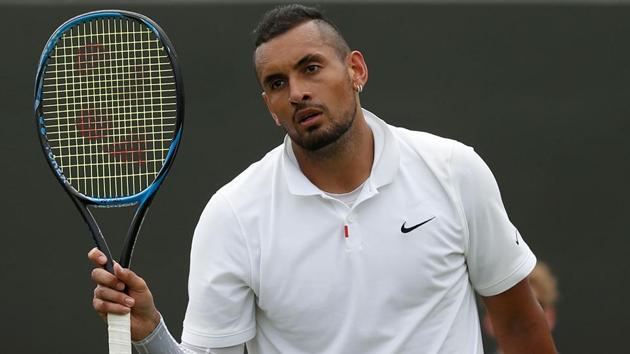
(307, 87)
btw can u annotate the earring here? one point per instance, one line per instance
(358, 88)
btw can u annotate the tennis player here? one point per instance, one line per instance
(353, 236)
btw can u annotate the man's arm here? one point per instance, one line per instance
(148, 330)
(518, 321)
(160, 341)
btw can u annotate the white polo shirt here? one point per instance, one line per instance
(283, 266)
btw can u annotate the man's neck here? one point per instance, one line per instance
(344, 165)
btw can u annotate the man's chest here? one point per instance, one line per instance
(397, 248)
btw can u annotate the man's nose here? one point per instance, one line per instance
(298, 91)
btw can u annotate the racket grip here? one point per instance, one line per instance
(119, 331)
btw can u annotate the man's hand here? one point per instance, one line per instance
(109, 296)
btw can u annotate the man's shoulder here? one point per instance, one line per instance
(423, 144)
(256, 179)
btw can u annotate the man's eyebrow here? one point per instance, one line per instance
(308, 58)
(305, 59)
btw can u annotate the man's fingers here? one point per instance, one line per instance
(109, 295)
(117, 281)
(133, 281)
(97, 257)
(105, 307)
(102, 277)
(107, 279)
(112, 295)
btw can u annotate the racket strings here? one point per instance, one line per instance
(109, 106)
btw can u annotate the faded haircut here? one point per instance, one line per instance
(283, 18)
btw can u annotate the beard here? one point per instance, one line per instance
(320, 137)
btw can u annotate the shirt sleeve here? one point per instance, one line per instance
(160, 341)
(497, 256)
(221, 306)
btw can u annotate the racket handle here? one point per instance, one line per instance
(119, 330)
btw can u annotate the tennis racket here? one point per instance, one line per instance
(109, 106)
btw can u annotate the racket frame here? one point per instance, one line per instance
(143, 198)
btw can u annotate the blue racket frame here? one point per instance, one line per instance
(142, 199)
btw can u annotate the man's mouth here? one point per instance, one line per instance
(307, 116)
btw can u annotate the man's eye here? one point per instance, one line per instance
(276, 84)
(312, 68)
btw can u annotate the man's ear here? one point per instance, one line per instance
(273, 115)
(550, 315)
(275, 118)
(357, 68)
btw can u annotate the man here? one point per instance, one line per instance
(352, 237)
(545, 288)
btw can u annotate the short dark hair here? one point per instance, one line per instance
(283, 18)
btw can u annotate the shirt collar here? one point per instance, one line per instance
(384, 167)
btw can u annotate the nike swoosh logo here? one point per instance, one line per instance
(405, 230)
